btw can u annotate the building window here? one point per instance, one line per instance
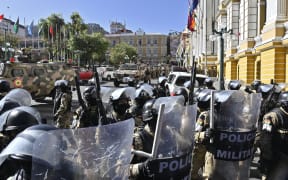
(155, 41)
(140, 42)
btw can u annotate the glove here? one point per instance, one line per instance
(209, 133)
(146, 169)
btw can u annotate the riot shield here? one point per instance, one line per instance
(21, 96)
(105, 93)
(102, 152)
(235, 119)
(176, 137)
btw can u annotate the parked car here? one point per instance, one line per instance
(127, 73)
(177, 79)
(108, 73)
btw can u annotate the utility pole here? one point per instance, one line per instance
(219, 35)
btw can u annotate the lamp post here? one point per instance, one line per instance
(219, 35)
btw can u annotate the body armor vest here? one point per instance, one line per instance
(280, 135)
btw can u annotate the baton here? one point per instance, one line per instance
(211, 123)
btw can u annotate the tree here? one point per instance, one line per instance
(122, 51)
(93, 47)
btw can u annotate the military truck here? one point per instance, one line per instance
(127, 73)
(37, 78)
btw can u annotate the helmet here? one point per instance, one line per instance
(182, 91)
(149, 112)
(7, 105)
(90, 95)
(208, 82)
(234, 85)
(61, 83)
(255, 85)
(203, 99)
(162, 80)
(17, 120)
(120, 101)
(283, 100)
(265, 90)
(20, 150)
(4, 86)
(142, 96)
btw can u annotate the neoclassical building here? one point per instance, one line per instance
(258, 48)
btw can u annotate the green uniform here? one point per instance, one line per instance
(63, 114)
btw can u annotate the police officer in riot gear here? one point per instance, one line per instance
(161, 90)
(274, 141)
(208, 82)
(13, 122)
(201, 133)
(62, 104)
(136, 108)
(89, 115)
(254, 87)
(143, 140)
(120, 103)
(234, 85)
(182, 91)
(4, 88)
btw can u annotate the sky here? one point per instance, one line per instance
(152, 16)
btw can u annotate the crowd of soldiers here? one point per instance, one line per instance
(271, 129)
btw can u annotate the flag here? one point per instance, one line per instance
(51, 31)
(30, 28)
(192, 15)
(16, 26)
(1, 17)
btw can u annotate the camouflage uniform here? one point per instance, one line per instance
(62, 113)
(274, 144)
(143, 141)
(199, 151)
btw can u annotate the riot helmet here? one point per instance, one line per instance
(255, 85)
(150, 113)
(234, 85)
(19, 151)
(17, 120)
(203, 99)
(90, 95)
(265, 90)
(4, 86)
(7, 104)
(62, 84)
(209, 83)
(120, 101)
(142, 96)
(283, 100)
(182, 91)
(162, 81)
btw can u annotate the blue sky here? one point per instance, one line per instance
(153, 16)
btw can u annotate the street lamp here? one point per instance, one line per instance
(220, 36)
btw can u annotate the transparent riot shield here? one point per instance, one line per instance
(235, 119)
(105, 93)
(21, 96)
(176, 137)
(102, 152)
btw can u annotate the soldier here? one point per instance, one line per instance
(147, 75)
(120, 103)
(15, 121)
(4, 88)
(143, 139)
(88, 115)
(182, 91)
(202, 124)
(142, 96)
(274, 141)
(208, 82)
(234, 85)
(161, 90)
(62, 104)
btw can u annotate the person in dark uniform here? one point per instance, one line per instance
(274, 141)
(143, 140)
(208, 82)
(4, 88)
(234, 85)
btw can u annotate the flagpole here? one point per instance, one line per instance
(25, 35)
(38, 36)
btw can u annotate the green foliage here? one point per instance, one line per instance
(93, 47)
(123, 52)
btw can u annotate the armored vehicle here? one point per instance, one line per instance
(127, 73)
(37, 78)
